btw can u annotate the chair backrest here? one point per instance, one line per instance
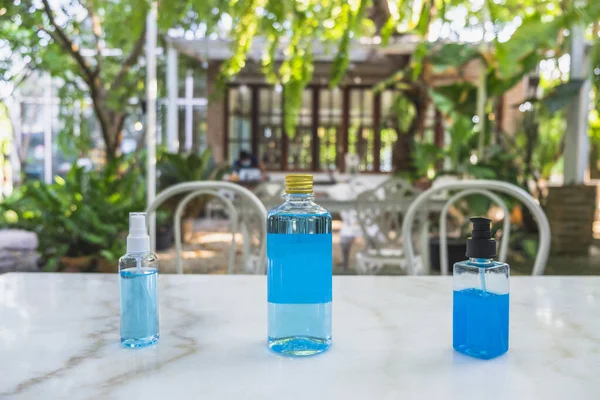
(443, 225)
(381, 210)
(233, 220)
(486, 185)
(270, 193)
(252, 208)
(253, 228)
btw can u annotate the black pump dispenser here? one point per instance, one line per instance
(481, 244)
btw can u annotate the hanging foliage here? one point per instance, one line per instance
(51, 36)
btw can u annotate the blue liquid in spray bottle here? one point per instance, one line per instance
(481, 297)
(138, 272)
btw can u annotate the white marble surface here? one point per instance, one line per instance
(392, 340)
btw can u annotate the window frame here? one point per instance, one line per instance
(342, 139)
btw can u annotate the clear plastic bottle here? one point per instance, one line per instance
(299, 272)
(481, 297)
(138, 271)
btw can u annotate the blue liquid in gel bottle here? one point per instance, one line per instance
(138, 281)
(299, 272)
(481, 297)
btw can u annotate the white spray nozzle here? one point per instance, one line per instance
(138, 240)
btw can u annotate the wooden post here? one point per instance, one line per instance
(377, 132)
(254, 99)
(315, 128)
(344, 128)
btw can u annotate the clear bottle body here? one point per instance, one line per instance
(299, 275)
(481, 308)
(138, 282)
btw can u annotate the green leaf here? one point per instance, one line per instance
(453, 56)
(93, 238)
(533, 36)
(461, 96)
(417, 59)
(109, 255)
(52, 265)
(424, 18)
(59, 180)
(482, 172)
(562, 95)
(387, 30)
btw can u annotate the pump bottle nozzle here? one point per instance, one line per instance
(481, 244)
(138, 240)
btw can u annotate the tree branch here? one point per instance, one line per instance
(18, 82)
(97, 32)
(68, 44)
(379, 13)
(131, 59)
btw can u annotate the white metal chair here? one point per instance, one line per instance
(380, 212)
(217, 205)
(482, 187)
(233, 220)
(251, 209)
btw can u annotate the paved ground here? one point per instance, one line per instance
(207, 250)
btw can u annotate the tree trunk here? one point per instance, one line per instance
(116, 134)
(402, 156)
(111, 127)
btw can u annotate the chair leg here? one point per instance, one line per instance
(346, 245)
(246, 238)
(361, 266)
(376, 266)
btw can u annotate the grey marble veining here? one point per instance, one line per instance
(392, 339)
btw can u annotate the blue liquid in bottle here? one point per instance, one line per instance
(299, 275)
(480, 323)
(139, 306)
(481, 298)
(138, 281)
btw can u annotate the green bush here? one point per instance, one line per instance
(85, 213)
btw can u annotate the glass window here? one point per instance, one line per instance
(270, 130)
(300, 144)
(389, 133)
(273, 144)
(240, 135)
(330, 121)
(199, 127)
(361, 135)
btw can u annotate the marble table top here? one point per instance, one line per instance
(59, 339)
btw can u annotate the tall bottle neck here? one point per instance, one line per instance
(299, 198)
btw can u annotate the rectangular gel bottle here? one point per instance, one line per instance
(299, 269)
(138, 271)
(481, 297)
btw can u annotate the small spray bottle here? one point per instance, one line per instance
(481, 297)
(138, 270)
